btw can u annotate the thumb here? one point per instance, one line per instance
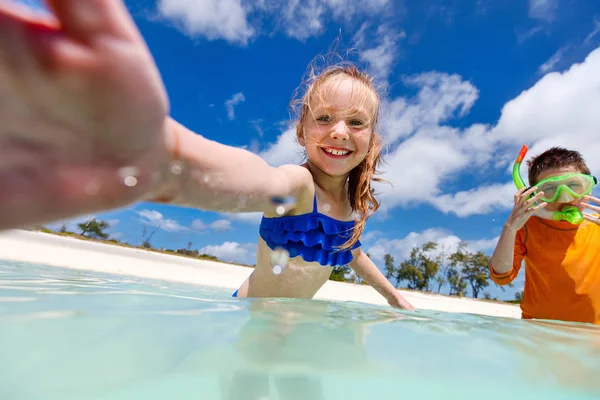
(85, 20)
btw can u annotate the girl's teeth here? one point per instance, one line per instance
(337, 152)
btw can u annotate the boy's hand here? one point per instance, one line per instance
(82, 107)
(523, 208)
(591, 217)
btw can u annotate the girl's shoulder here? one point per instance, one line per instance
(298, 183)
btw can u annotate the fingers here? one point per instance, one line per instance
(592, 198)
(591, 218)
(521, 197)
(86, 20)
(532, 210)
(591, 207)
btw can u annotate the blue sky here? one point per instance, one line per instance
(467, 83)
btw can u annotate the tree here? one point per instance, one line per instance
(94, 229)
(476, 271)
(147, 236)
(339, 273)
(390, 269)
(458, 285)
(420, 268)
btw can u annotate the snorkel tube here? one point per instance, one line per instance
(571, 214)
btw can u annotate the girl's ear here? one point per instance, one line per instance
(300, 135)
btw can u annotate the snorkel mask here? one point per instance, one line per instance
(561, 189)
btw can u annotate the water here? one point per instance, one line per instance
(67, 334)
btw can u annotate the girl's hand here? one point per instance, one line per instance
(82, 107)
(524, 208)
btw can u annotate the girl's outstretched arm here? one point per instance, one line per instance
(85, 124)
(368, 271)
(212, 176)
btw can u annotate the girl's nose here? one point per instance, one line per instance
(340, 131)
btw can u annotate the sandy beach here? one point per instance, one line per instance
(65, 252)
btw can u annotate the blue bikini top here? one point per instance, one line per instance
(313, 236)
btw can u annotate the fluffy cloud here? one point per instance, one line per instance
(213, 19)
(285, 150)
(238, 21)
(400, 248)
(157, 220)
(383, 54)
(543, 9)
(232, 252)
(232, 102)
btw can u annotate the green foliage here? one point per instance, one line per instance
(429, 269)
(421, 268)
(518, 298)
(94, 229)
(339, 273)
(390, 269)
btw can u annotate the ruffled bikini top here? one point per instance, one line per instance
(314, 237)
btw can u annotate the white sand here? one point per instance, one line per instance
(49, 249)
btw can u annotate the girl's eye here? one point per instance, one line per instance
(324, 118)
(356, 122)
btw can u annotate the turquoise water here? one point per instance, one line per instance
(67, 334)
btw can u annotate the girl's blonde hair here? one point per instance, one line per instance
(360, 193)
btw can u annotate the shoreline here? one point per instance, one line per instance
(69, 252)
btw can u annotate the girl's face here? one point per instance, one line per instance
(338, 126)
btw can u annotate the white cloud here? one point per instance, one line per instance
(400, 248)
(156, 219)
(480, 200)
(595, 32)
(250, 218)
(213, 19)
(232, 102)
(441, 96)
(232, 252)
(543, 9)
(218, 225)
(560, 109)
(382, 53)
(553, 61)
(285, 150)
(231, 19)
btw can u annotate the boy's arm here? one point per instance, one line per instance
(506, 260)
(205, 174)
(368, 271)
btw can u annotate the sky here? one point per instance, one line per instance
(465, 84)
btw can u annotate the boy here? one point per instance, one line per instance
(562, 275)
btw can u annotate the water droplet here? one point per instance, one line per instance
(176, 168)
(277, 269)
(129, 175)
(130, 181)
(279, 260)
(326, 207)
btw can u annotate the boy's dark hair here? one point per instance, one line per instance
(555, 157)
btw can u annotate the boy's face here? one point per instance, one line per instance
(553, 172)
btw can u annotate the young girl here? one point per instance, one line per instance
(102, 136)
